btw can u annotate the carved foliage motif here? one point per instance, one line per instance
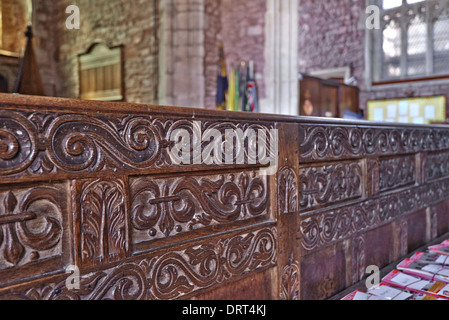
(171, 275)
(403, 237)
(30, 226)
(102, 221)
(18, 142)
(166, 206)
(372, 177)
(358, 259)
(287, 191)
(290, 281)
(433, 223)
(325, 227)
(319, 142)
(51, 142)
(437, 165)
(397, 172)
(328, 184)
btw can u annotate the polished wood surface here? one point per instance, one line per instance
(93, 185)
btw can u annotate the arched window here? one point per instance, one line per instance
(14, 18)
(413, 40)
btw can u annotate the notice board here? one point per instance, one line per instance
(420, 110)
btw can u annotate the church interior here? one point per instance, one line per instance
(353, 94)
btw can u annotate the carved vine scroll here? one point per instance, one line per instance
(169, 275)
(162, 207)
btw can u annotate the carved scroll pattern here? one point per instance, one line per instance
(332, 143)
(171, 275)
(327, 184)
(372, 178)
(162, 207)
(103, 216)
(30, 226)
(36, 143)
(403, 237)
(328, 226)
(396, 172)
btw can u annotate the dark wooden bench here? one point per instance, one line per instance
(93, 189)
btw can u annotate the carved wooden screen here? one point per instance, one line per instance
(100, 73)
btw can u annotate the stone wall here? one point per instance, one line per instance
(243, 34)
(14, 22)
(239, 26)
(330, 36)
(181, 72)
(131, 23)
(45, 20)
(170, 47)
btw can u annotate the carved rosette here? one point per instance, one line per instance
(162, 207)
(171, 275)
(102, 221)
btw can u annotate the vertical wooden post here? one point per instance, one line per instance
(287, 213)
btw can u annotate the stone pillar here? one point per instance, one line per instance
(281, 57)
(181, 56)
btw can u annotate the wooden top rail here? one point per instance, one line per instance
(99, 187)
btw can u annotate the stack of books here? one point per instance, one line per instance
(424, 276)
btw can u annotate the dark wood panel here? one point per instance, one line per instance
(107, 195)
